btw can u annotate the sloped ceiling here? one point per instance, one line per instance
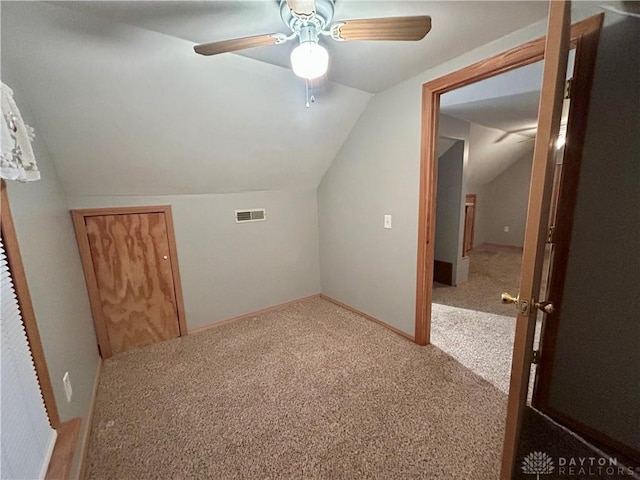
(125, 107)
(458, 26)
(509, 113)
(127, 111)
(491, 153)
(503, 112)
(508, 102)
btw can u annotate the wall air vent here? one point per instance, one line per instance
(254, 215)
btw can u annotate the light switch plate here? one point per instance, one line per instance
(387, 221)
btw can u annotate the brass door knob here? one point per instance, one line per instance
(507, 298)
(546, 307)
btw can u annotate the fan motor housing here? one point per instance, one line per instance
(321, 20)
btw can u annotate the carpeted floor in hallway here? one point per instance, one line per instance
(493, 269)
(469, 322)
(307, 391)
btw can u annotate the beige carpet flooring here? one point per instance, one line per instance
(492, 270)
(469, 322)
(482, 342)
(307, 391)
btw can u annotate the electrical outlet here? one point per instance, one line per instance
(387, 221)
(66, 381)
(506, 229)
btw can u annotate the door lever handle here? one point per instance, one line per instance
(523, 306)
(546, 307)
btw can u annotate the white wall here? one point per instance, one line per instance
(228, 269)
(55, 278)
(503, 202)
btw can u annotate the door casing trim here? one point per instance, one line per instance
(516, 57)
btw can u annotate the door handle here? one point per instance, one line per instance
(546, 307)
(523, 306)
(507, 298)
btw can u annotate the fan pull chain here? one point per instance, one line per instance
(312, 98)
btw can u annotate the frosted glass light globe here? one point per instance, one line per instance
(309, 60)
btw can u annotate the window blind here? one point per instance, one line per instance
(26, 438)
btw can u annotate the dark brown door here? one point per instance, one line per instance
(587, 375)
(133, 272)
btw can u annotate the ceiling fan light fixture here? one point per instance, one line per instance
(309, 60)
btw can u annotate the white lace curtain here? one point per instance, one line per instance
(17, 161)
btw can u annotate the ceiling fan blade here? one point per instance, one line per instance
(303, 9)
(389, 28)
(214, 48)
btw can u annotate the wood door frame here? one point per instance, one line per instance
(517, 57)
(14, 259)
(78, 216)
(473, 223)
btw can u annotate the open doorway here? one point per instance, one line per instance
(585, 35)
(485, 152)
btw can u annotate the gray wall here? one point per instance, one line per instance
(503, 201)
(230, 269)
(461, 130)
(56, 282)
(448, 206)
(596, 371)
(376, 172)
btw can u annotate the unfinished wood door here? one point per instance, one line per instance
(131, 272)
(469, 222)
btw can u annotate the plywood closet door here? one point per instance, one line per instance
(130, 256)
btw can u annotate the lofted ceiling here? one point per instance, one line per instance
(507, 102)
(510, 113)
(124, 106)
(503, 111)
(370, 66)
(493, 152)
(127, 111)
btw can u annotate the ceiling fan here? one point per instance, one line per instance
(308, 20)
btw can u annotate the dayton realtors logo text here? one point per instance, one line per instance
(541, 463)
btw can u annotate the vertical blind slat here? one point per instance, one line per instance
(26, 435)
